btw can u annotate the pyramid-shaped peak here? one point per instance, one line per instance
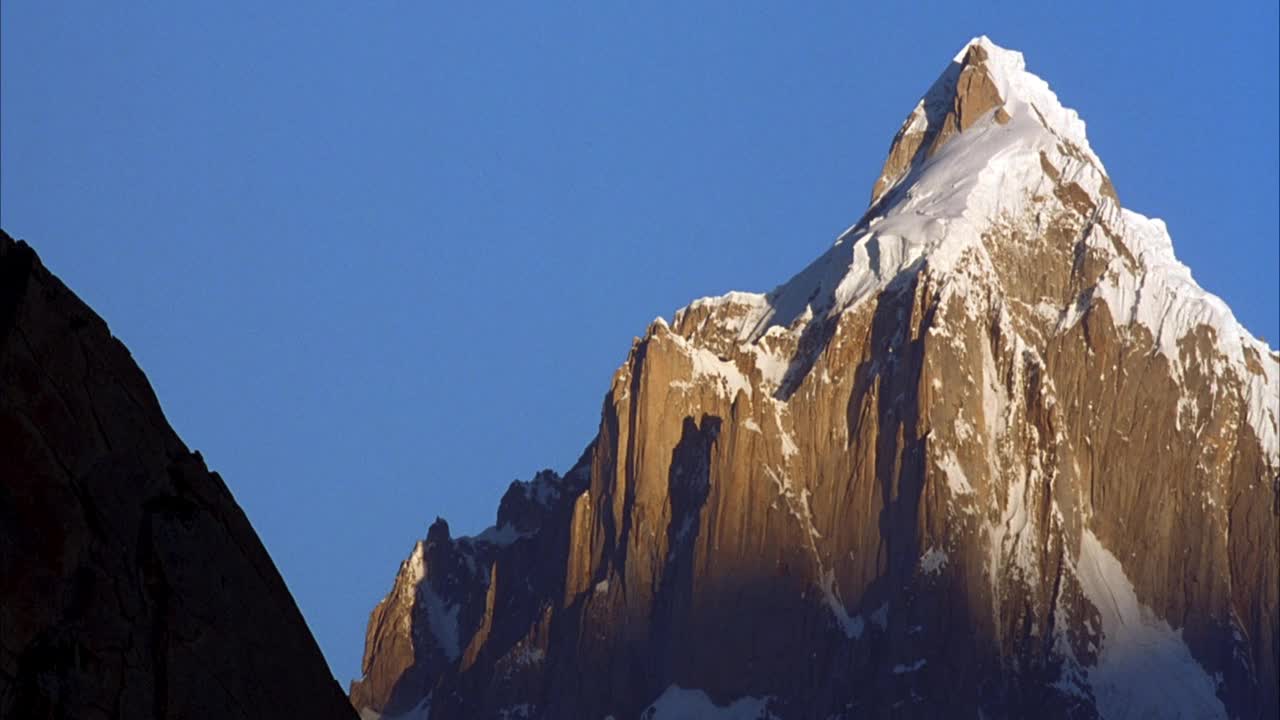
(1006, 69)
(982, 50)
(983, 83)
(985, 43)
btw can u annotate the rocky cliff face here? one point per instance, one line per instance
(993, 454)
(133, 585)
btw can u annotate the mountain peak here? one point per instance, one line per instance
(983, 82)
(988, 419)
(981, 50)
(988, 143)
(988, 158)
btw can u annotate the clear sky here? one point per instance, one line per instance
(378, 259)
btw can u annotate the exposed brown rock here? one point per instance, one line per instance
(900, 522)
(963, 94)
(134, 586)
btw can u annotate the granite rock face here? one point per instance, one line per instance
(133, 584)
(993, 454)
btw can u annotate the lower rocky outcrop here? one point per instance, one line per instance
(133, 585)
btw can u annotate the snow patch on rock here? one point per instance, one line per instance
(442, 619)
(501, 536)
(1144, 667)
(957, 481)
(933, 561)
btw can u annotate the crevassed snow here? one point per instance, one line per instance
(677, 703)
(1144, 668)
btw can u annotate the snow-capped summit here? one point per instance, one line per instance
(994, 452)
(990, 150)
(983, 82)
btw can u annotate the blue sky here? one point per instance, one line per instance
(380, 259)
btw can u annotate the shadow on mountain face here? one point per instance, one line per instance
(688, 485)
(762, 623)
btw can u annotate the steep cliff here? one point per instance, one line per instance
(993, 454)
(132, 586)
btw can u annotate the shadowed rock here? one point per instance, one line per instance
(133, 585)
